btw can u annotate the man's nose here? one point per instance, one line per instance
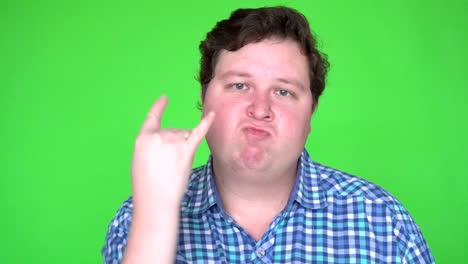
(260, 107)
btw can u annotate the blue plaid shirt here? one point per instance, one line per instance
(331, 217)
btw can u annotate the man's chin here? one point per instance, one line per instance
(253, 158)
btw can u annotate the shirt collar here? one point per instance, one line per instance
(202, 193)
(308, 190)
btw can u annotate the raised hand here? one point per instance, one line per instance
(163, 158)
(161, 165)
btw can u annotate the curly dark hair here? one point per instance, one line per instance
(246, 26)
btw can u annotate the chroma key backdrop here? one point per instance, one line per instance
(78, 77)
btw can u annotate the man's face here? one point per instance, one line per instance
(263, 106)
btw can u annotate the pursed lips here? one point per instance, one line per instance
(256, 132)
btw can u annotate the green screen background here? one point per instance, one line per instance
(78, 77)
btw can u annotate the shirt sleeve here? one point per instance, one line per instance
(117, 234)
(417, 251)
(411, 243)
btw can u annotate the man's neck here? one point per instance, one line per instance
(254, 198)
(254, 186)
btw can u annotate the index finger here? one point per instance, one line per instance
(201, 129)
(153, 121)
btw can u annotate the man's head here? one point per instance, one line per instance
(246, 26)
(262, 76)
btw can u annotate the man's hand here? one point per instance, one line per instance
(162, 159)
(161, 165)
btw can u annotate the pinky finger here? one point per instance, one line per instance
(201, 129)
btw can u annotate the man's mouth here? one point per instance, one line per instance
(256, 132)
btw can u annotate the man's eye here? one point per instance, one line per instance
(283, 92)
(239, 86)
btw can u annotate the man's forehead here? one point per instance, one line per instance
(288, 67)
(266, 51)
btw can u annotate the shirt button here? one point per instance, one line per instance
(260, 252)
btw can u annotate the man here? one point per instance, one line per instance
(259, 199)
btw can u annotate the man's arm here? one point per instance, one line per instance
(162, 162)
(412, 246)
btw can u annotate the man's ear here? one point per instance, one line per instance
(200, 101)
(314, 108)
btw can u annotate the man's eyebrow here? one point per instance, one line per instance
(291, 82)
(235, 74)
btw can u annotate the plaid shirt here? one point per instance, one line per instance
(331, 217)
